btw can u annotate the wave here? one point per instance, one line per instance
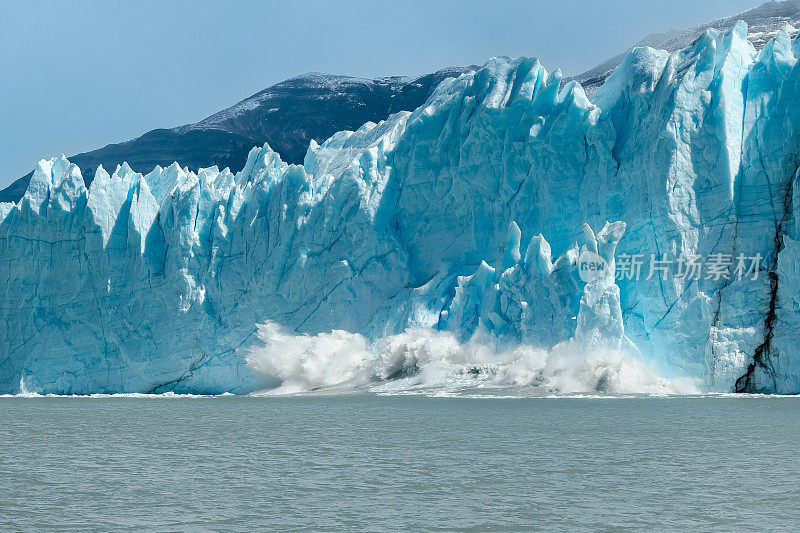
(419, 360)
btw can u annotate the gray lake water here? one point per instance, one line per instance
(362, 461)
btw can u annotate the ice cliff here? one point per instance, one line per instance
(468, 216)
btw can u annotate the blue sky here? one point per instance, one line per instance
(77, 75)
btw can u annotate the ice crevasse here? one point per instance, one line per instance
(466, 216)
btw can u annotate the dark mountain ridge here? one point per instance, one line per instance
(287, 115)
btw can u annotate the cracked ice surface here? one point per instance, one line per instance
(464, 216)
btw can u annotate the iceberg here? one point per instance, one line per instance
(468, 218)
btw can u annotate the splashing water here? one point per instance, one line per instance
(23, 390)
(420, 359)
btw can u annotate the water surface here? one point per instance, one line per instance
(385, 463)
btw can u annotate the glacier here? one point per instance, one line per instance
(466, 219)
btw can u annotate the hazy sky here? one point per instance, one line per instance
(77, 75)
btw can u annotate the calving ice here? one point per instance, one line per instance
(491, 215)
